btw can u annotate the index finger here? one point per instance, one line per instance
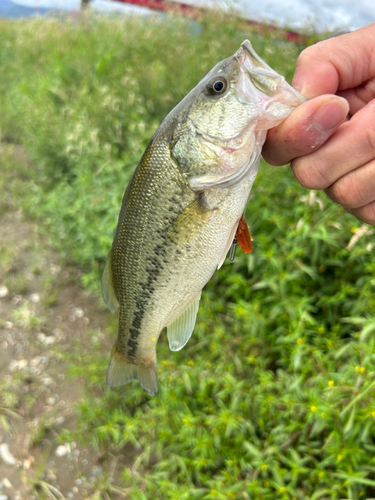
(336, 64)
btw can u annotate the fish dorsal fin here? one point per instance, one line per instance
(181, 328)
(228, 245)
(108, 291)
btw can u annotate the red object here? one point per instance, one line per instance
(243, 236)
(192, 11)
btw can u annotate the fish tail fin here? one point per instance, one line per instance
(120, 372)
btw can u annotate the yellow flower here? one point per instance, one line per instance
(331, 383)
(282, 489)
(299, 341)
(240, 311)
(313, 409)
(264, 467)
(190, 362)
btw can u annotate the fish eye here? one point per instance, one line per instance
(217, 85)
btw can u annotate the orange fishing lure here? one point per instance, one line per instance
(243, 236)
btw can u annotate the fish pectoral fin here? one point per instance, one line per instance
(181, 328)
(108, 291)
(228, 245)
(190, 220)
(120, 372)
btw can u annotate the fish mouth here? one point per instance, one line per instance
(249, 59)
(256, 76)
(262, 76)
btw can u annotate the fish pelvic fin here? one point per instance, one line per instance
(121, 371)
(108, 292)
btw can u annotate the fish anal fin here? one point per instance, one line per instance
(108, 291)
(180, 329)
(243, 236)
(121, 371)
(228, 245)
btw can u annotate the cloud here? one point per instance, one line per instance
(106, 6)
(323, 14)
(53, 4)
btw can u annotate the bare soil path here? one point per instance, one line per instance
(44, 315)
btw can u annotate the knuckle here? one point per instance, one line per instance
(369, 136)
(310, 172)
(367, 213)
(346, 192)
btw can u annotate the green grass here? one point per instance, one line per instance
(273, 397)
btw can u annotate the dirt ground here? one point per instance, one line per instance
(43, 312)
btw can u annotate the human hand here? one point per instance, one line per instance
(326, 150)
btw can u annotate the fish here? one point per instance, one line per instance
(183, 205)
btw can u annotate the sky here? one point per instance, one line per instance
(322, 14)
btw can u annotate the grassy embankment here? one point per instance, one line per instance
(273, 397)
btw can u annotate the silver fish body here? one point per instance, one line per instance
(181, 209)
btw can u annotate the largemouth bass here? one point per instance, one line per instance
(181, 209)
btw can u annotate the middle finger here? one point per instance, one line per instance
(351, 146)
(356, 188)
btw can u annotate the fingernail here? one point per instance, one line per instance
(330, 114)
(300, 84)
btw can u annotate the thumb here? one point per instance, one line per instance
(305, 130)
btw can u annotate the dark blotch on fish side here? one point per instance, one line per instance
(153, 271)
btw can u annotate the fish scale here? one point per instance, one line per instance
(182, 207)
